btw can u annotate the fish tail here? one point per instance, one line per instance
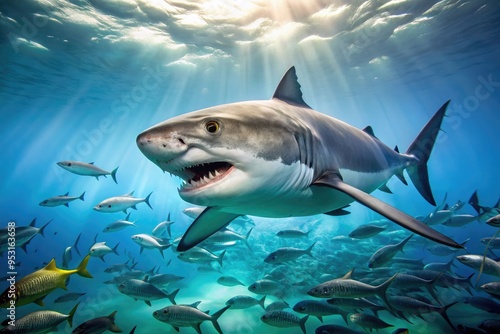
(382, 289)
(474, 202)
(246, 239)
(262, 301)
(221, 256)
(82, 268)
(81, 197)
(443, 313)
(113, 175)
(421, 149)
(114, 249)
(216, 316)
(308, 250)
(147, 200)
(72, 314)
(302, 323)
(172, 296)
(75, 245)
(40, 231)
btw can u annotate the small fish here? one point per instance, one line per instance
(117, 268)
(460, 220)
(476, 261)
(68, 297)
(144, 290)
(200, 255)
(24, 234)
(293, 234)
(160, 280)
(366, 231)
(353, 304)
(163, 227)
(346, 287)
(193, 212)
(229, 281)
(277, 305)
(416, 307)
(150, 242)
(98, 325)
(490, 326)
(438, 217)
(493, 288)
(121, 203)
(35, 286)
(494, 243)
(242, 302)
(99, 249)
(319, 309)
(39, 322)
(494, 221)
(66, 258)
(265, 287)
(187, 316)
(368, 321)
(386, 253)
(226, 237)
(119, 225)
(86, 169)
(483, 303)
(286, 254)
(61, 200)
(284, 319)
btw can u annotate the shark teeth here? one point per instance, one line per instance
(203, 174)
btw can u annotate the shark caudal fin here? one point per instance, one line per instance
(421, 149)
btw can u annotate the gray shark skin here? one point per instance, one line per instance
(280, 158)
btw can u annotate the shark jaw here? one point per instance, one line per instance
(203, 175)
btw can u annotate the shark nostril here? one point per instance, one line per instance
(181, 141)
(164, 145)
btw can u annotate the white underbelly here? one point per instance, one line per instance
(311, 200)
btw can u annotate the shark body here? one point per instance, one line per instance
(280, 158)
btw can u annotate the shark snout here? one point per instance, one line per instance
(157, 146)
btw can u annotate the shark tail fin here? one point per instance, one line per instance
(421, 149)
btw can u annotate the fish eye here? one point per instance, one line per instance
(155, 313)
(109, 205)
(302, 308)
(212, 126)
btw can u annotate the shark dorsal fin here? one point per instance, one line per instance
(369, 130)
(288, 89)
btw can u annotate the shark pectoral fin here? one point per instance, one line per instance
(208, 222)
(333, 180)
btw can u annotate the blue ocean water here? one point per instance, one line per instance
(81, 79)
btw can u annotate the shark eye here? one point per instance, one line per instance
(69, 164)
(212, 126)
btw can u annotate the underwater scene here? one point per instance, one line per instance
(212, 166)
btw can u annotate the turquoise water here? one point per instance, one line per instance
(81, 79)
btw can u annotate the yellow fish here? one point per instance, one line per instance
(35, 286)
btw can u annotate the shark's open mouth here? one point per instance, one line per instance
(205, 173)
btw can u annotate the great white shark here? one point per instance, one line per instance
(281, 158)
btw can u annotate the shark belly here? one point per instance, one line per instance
(310, 200)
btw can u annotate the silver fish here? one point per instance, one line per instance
(122, 203)
(98, 325)
(286, 254)
(187, 316)
(146, 291)
(284, 319)
(61, 200)
(386, 253)
(242, 302)
(86, 169)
